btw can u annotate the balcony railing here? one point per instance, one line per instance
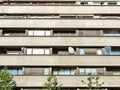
(112, 73)
(55, 33)
(58, 35)
(77, 3)
(68, 16)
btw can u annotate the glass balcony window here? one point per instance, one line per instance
(112, 3)
(111, 34)
(115, 52)
(72, 72)
(67, 72)
(62, 71)
(15, 71)
(86, 71)
(40, 51)
(82, 71)
(107, 50)
(81, 51)
(20, 72)
(39, 32)
(84, 3)
(55, 72)
(46, 71)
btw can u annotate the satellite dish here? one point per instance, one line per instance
(99, 52)
(71, 50)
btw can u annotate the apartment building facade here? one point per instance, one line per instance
(67, 38)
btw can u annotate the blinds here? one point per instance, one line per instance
(89, 32)
(33, 71)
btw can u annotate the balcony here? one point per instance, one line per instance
(59, 2)
(66, 81)
(60, 41)
(60, 9)
(57, 23)
(59, 16)
(59, 32)
(49, 60)
(58, 50)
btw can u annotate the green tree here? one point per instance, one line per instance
(6, 80)
(93, 82)
(52, 83)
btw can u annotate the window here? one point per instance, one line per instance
(55, 72)
(29, 50)
(38, 51)
(47, 33)
(20, 71)
(86, 71)
(77, 3)
(90, 3)
(30, 33)
(67, 72)
(96, 3)
(15, 71)
(118, 3)
(39, 32)
(81, 51)
(94, 71)
(107, 50)
(82, 71)
(68, 16)
(72, 72)
(84, 3)
(112, 3)
(46, 71)
(115, 51)
(63, 71)
(104, 3)
(47, 51)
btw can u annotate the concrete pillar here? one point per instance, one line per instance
(1, 32)
(50, 72)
